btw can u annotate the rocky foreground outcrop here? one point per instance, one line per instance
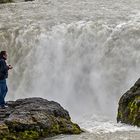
(32, 118)
(129, 106)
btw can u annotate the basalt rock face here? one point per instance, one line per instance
(129, 106)
(32, 118)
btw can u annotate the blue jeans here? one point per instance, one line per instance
(3, 92)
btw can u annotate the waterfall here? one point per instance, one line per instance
(84, 65)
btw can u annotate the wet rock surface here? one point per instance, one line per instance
(32, 118)
(129, 106)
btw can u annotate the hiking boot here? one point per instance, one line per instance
(3, 106)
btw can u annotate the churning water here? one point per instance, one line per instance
(83, 54)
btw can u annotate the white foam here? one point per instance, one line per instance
(99, 124)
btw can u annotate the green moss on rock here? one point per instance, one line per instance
(65, 128)
(26, 135)
(29, 135)
(129, 106)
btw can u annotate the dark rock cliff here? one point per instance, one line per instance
(129, 106)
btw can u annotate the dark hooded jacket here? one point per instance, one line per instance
(3, 69)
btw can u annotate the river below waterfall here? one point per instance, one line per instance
(83, 54)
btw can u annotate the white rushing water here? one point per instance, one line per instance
(83, 54)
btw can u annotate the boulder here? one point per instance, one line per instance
(32, 118)
(129, 106)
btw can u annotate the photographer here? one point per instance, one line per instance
(3, 76)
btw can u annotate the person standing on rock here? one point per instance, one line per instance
(3, 76)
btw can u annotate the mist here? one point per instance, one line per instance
(85, 66)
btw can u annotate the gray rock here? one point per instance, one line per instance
(32, 118)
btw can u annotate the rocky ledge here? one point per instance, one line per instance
(33, 118)
(129, 106)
